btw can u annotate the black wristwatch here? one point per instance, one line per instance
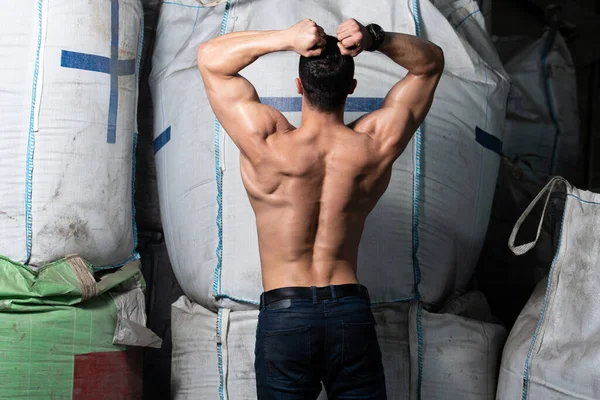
(377, 34)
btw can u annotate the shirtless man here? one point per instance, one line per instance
(312, 188)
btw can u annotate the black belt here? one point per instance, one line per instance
(321, 293)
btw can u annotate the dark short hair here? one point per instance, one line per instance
(327, 78)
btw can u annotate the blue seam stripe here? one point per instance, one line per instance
(488, 141)
(419, 349)
(195, 21)
(172, 3)
(31, 141)
(162, 139)
(133, 171)
(528, 359)
(584, 201)
(220, 354)
(416, 178)
(236, 299)
(417, 17)
(219, 179)
(415, 223)
(135, 139)
(134, 256)
(466, 18)
(551, 106)
(415, 216)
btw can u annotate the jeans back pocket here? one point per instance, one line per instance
(361, 356)
(288, 355)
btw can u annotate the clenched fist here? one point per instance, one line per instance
(353, 38)
(307, 38)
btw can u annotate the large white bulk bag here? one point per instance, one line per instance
(425, 355)
(68, 98)
(553, 350)
(542, 121)
(455, 354)
(424, 237)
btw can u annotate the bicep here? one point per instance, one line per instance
(414, 95)
(237, 107)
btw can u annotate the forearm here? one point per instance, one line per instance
(229, 54)
(418, 56)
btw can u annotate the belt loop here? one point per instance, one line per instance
(262, 301)
(314, 294)
(333, 294)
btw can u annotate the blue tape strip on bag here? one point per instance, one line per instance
(161, 140)
(488, 141)
(112, 66)
(294, 104)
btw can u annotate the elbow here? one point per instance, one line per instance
(205, 61)
(439, 60)
(436, 63)
(434, 66)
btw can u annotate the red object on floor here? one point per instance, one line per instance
(113, 375)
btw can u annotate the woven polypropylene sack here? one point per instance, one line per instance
(423, 238)
(552, 351)
(65, 335)
(542, 119)
(68, 84)
(455, 353)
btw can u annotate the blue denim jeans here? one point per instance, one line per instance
(301, 343)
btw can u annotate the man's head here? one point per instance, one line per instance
(327, 79)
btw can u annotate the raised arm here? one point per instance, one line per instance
(409, 100)
(233, 98)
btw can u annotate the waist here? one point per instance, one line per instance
(314, 293)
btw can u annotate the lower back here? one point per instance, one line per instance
(310, 240)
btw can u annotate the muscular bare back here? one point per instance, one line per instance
(311, 195)
(313, 187)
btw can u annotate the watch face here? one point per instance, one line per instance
(377, 35)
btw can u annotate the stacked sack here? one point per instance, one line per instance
(68, 84)
(541, 139)
(69, 99)
(66, 335)
(453, 353)
(542, 119)
(420, 244)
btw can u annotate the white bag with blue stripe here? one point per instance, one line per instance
(453, 354)
(553, 350)
(423, 239)
(542, 120)
(68, 100)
